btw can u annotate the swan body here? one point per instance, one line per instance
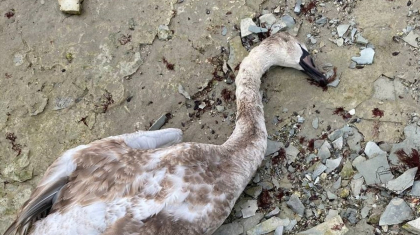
(150, 182)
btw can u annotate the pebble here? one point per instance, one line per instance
(183, 92)
(324, 152)
(403, 182)
(351, 215)
(224, 30)
(358, 160)
(365, 211)
(361, 40)
(297, 6)
(300, 119)
(331, 195)
(366, 56)
(220, 108)
(256, 29)
(356, 186)
(296, 205)
(335, 134)
(318, 169)
(266, 185)
(291, 153)
(339, 42)
(158, 123)
(70, 6)
(268, 20)
(396, 212)
(315, 123)
(288, 20)
(273, 146)
(164, 33)
(338, 143)
(415, 191)
(321, 21)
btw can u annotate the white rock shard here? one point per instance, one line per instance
(70, 6)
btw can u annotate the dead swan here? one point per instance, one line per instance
(134, 184)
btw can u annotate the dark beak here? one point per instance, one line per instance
(309, 68)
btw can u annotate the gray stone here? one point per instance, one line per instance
(158, 123)
(296, 205)
(164, 33)
(333, 226)
(256, 29)
(415, 191)
(403, 182)
(310, 157)
(356, 186)
(245, 23)
(70, 6)
(339, 42)
(273, 212)
(321, 21)
(338, 143)
(324, 151)
(366, 56)
(353, 32)
(297, 6)
(268, 226)
(266, 185)
(273, 146)
(291, 225)
(332, 164)
(365, 211)
(351, 215)
(411, 39)
(315, 123)
(224, 30)
(291, 153)
(288, 20)
(375, 170)
(251, 222)
(354, 140)
(335, 134)
(334, 83)
(249, 208)
(361, 40)
(279, 26)
(358, 160)
(318, 169)
(331, 214)
(342, 29)
(268, 20)
(372, 150)
(337, 183)
(254, 191)
(396, 212)
(413, 226)
(300, 119)
(279, 230)
(234, 228)
(220, 108)
(236, 52)
(331, 195)
(183, 92)
(352, 65)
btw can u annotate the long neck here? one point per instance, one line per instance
(248, 142)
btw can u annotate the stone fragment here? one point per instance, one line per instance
(279, 26)
(415, 191)
(296, 205)
(361, 40)
(159, 123)
(333, 226)
(324, 151)
(331, 195)
(413, 226)
(332, 164)
(183, 92)
(342, 29)
(268, 20)
(366, 56)
(354, 140)
(344, 193)
(335, 135)
(224, 31)
(321, 21)
(297, 6)
(273, 212)
(358, 160)
(288, 20)
(291, 153)
(70, 6)
(220, 108)
(375, 170)
(403, 182)
(338, 143)
(365, 211)
(36, 103)
(351, 215)
(318, 169)
(331, 214)
(339, 42)
(279, 230)
(254, 191)
(347, 172)
(291, 225)
(396, 212)
(256, 29)
(268, 226)
(234, 228)
(249, 208)
(245, 24)
(411, 39)
(315, 123)
(273, 146)
(372, 150)
(356, 186)
(164, 33)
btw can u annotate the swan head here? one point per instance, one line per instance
(286, 51)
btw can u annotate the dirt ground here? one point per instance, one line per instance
(67, 80)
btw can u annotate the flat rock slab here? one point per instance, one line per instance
(268, 226)
(403, 182)
(333, 226)
(372, 150)
(296, 205)
(366, 56)
(413, 226)
(396, 212)
(375, 170)
(273, 146)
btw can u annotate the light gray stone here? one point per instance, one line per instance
(375, 170)
(291, 153)
(372, 150)
(331, 214)
(356, 186)
(273, 212)
(333, 226)
(396, 212)
(245, 23)
(365, 211)
(296, 205)
(413, 226)
(366, 56)
(234, 228)
(342, 29)
(268, 226)
(331, 195)
(361, 40)
(321, 21)
(415, 191)
(403, 182)
(268, 20)
(318, 169)
(332, 164)
(254, 191)
(335, 134)
(338, 143)
(273, 146)
(324, 151)
(70, 6)
(358, 160)
(164, 33)
(249, 208)
(351, 215)
(315, 123)
(256, 29)
(411, 39)
(279, 230)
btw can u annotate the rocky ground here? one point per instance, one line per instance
(341, 160)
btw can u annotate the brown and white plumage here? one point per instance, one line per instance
(149, 182)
